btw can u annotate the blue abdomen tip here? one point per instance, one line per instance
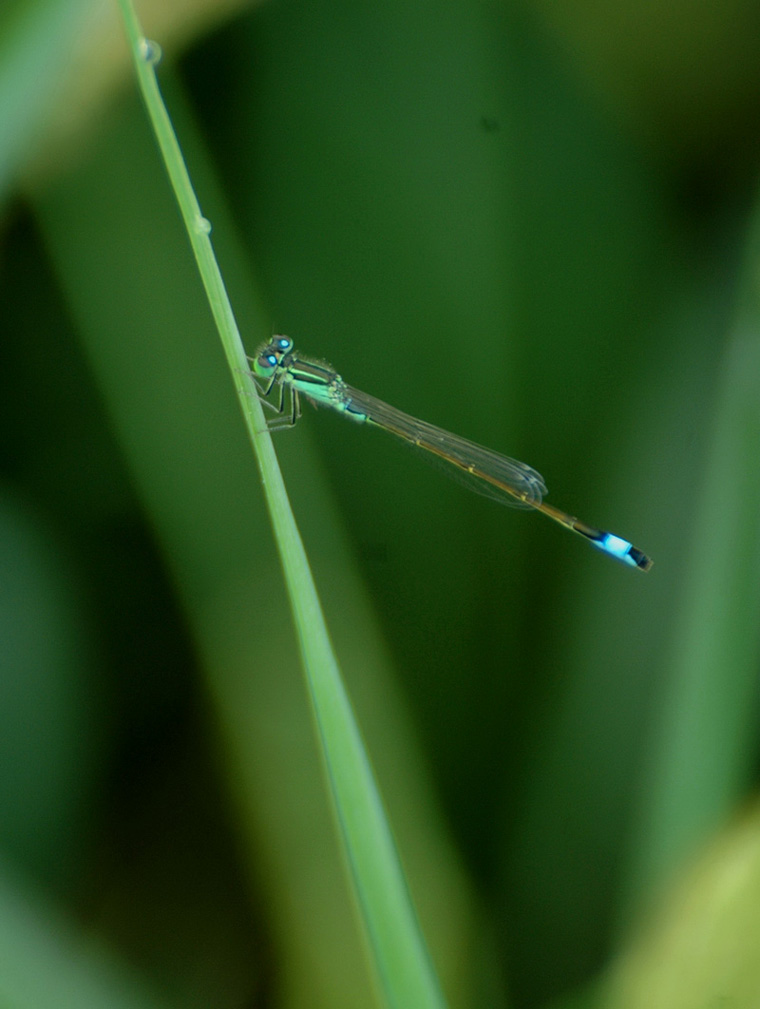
(616, 546)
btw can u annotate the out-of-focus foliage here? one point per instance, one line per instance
(531, 224)
(701, 948)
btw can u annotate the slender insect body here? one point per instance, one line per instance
(485, 471)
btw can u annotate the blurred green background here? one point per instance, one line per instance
(533, 224)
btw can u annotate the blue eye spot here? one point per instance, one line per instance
(271, 360)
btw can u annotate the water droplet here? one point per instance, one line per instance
(150, 51)
(203, 224)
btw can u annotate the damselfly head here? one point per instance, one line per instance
(269, 356)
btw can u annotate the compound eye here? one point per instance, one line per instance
(265, 364)
(283, 343)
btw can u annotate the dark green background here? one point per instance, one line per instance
(532, 227)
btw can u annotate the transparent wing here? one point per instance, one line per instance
(487, 472)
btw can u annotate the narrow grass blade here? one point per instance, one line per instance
(401, 959)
